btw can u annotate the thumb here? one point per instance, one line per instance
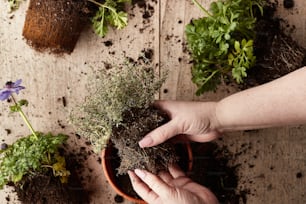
(160, 134)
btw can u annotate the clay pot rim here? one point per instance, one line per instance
(123, 194)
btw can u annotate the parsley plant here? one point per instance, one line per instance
(222, 42)
(110, 13)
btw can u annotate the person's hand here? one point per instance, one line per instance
(171, 187)
(196, 120)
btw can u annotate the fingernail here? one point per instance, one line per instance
(146, 141)
(141, 174)
(132, 176)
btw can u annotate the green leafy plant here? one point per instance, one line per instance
(34, 153)
(221, 43)
(109, 13)
(114, 92)
(119, 112)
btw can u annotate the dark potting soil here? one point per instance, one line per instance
(210, 162)
(137, 123)
(288, 4)
(44, 188)
(211, 169)
(277, 54)
(123, 180)
(55, 25)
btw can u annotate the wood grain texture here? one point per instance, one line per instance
(280, 152)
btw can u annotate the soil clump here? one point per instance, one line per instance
(44, 188)
(139, 122)
(277, 54)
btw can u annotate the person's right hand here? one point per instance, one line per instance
(170, 187)
(196, 120)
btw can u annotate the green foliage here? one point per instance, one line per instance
(17, 106)
(29, 154)
(59, 167)
(241, 59)
(112, 93)
(109, 14)
(222, 42)
(14, 4)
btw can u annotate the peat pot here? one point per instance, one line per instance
(55, 25)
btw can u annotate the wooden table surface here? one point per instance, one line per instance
(50, 79)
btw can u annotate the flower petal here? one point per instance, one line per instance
(17, 83)
(5, 94)
(17, 89)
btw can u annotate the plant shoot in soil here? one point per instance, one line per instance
(222, 42)
(36, 152)
(119, 109)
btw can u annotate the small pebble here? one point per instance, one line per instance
(118, 199)
(3, 146)
(299, 175)
(288, 4)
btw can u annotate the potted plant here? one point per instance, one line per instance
(239, 40)
(55, 25)
(117, 114)
(35, 165)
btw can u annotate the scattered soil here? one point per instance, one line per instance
(211, 169)
(139, 122)
(277, 54)
(288, 4)
(146, 9)
(55, 25)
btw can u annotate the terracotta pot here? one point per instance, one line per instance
(54, 25)
(109, 157)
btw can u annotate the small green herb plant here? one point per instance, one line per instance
(222, 42)
(114, 92)
(109, 13)
(34, 153)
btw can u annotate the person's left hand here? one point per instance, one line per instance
(172, 187)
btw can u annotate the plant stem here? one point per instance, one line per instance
(201, 7)
(24, 117)
(103, 6)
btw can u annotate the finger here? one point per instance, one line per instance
(165, 176)
(160, 134)
(162, 189)
(141, 188)
(175, 171)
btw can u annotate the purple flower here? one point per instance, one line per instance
(9, 88)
